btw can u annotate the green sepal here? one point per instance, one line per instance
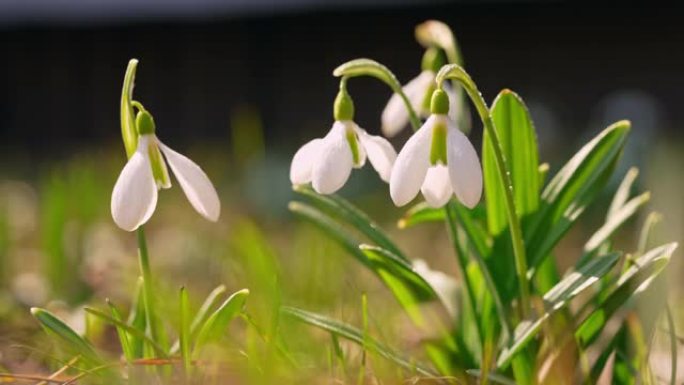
(440, 102)
(344, 106)
(438, 147)
(144, 123)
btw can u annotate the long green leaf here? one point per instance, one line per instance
(76, 344)
(634, 280)
(381, 263)
(623, 191)
(573, 188)
(421, 213)
(557, 298)
(124, 338)
(519, 144)
(129, 329)
(355, 335)
(615, 221)
(215, 327)
(340, 209)
(202, 315)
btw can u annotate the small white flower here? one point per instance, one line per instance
(395, 116)
(327, 162)
(414, 171)
(135, 193)
(446, 287)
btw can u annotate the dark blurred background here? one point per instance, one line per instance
(576, 65)
(211, 71)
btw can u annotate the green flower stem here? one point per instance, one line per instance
(457, 73)
(463, 268)
(148, 289)
(368, 67)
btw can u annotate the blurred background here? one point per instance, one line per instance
(239, 85)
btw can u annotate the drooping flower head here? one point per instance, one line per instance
(327, 162)
(437, 160)
(134, 198)
(418, 91)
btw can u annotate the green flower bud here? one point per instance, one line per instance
(344, 106)
(440, 102)
(144, 123)
(433, 60)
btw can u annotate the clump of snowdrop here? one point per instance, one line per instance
(395, 116)
(134, 198)
(327, 162)
(437, 160)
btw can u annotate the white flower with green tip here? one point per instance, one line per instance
(437, 160)
(134, 198)
(327, 162)
(418, 91)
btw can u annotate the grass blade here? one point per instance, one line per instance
(201, 316)
(614, 222)
(355, 335)
(573, 188)
(420, 213)
(342, 210)
(76, 344)
(124, 338)
(555, 299)
(213, 329)
(128, 328)
(396, 273)
(633, 281)
(184, 335)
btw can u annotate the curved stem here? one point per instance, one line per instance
(455, 72)
(148, 297)
(413, 117)
(368, 67)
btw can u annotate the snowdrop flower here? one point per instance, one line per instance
(327, 162)
(395, 116)
(135, 193)
(437, 160)
(445, 287)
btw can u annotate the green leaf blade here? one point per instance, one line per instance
(217, 323)
(519, 144)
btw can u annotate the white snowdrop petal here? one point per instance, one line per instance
(303, 160)
(446, 287)
(464, 167)
(195, 184)
(334, 165)
(380, 153)
(437, 188)
(135, 193)
(395, 115)
(411, 165)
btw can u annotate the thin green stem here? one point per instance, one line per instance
(463, 269)
(148, 287)
(457, 73)
(486, 275)
(673, 344)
